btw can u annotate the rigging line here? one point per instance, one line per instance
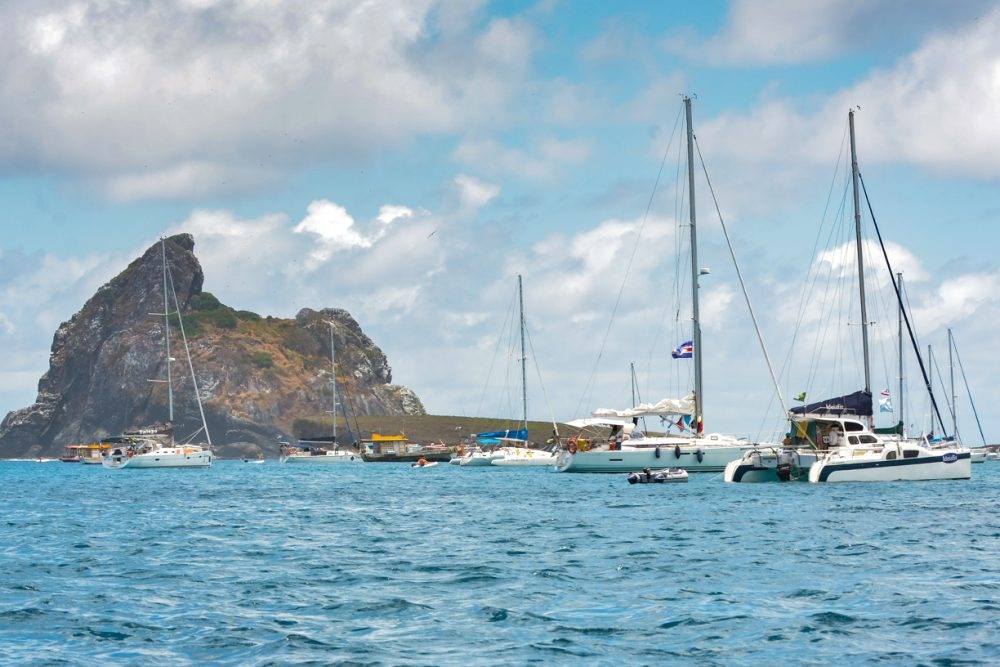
(906, 315)
(496, 353)
(739, 274)
(628, 269)
(187, 352)
(958, 358)
(538, 372)
(805, 285)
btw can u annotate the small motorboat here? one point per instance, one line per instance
(423, 463)
(647, 476)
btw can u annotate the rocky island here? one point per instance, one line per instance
(257, 375)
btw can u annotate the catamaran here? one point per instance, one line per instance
(834, 440)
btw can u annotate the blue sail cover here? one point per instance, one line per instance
(859, 403)
(509, 434)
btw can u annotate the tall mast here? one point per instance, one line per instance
(631, 366)
(951, 372)
(524, 358)
(899, 398)
(333, 383)
(695, 321)
(166, 334)
(861, 265)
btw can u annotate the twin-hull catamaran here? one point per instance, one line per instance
(833, 440)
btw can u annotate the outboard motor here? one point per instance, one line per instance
(784, 471)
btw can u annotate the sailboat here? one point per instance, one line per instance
(509, 447)
(155, 447)
(322, 449)
(627, 449)
(841, 430)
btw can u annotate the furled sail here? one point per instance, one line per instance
(668, 406)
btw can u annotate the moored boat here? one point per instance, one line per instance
(399, 449)
(155, 447)
(665, 476)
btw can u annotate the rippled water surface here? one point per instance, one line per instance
(383, 564)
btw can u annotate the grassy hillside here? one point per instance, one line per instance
(427, 428)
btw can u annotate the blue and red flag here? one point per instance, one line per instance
(683, 351)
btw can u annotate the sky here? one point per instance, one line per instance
(407, 161)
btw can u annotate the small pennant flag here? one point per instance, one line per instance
(801, 397)
(683, 351)
(885, 401)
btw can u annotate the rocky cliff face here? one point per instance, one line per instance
(255, 375)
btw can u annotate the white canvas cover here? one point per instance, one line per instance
(604, 421)
(668, 406)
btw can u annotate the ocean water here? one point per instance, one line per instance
(381, 564)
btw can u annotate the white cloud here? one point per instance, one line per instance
(540, 162)
(184, 99)
(474, 193)
(935, 108)
(791, 32)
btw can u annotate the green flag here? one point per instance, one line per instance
(801, 397)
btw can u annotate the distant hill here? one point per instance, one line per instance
(426, 428)
(256, 374)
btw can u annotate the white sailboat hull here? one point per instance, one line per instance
(167, 457)
(523, 457)
(479, 460)
(691, 454)
(329, 457)
(880, 466)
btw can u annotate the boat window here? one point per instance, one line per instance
(890, 455)
(853, 439)
(869, 439)
(910, 453)
(853, 426)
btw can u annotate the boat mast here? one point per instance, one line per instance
(333, 383)
(695, 321)
(899, 399)
(524, 358)
(166, 335)
(861, 265)
(951, 372)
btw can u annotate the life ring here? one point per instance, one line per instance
(131, 454)
(571, 446)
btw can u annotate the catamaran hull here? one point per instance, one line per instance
(758, 466)
(693, 458)
(196, 459)
(948, 465)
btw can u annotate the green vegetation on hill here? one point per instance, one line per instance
(426, 428)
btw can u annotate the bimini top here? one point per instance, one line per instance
(668, 406)
(507, 434)
(859, 404)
